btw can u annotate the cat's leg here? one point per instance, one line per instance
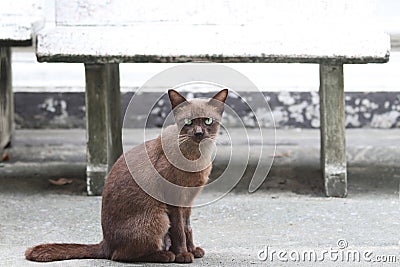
(197, 252)
(161, 256)
(178, 236)
(138, 240)
(126, 254)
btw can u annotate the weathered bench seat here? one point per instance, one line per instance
(18, 30)
(167, 42)
(103, 34)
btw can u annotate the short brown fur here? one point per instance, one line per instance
(137, 227)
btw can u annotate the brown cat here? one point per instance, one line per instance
(138, 227)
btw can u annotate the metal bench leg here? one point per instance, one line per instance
(6, 98)
(333, 145)
(103, 123)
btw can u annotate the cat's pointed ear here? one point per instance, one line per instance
(221, 95)
(175, 98)
(218, 100)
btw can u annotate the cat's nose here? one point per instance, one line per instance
(198, 132)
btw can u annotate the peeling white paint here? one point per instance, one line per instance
(385, 120)
(312, 112)
(280, 115)
(264, 117)
(156, 110)
(48, 105)
(285, 98)
(352, 120)
(314, 98)
(228, 119)
(365, 102)
(248, 120)
(297, 117)
(387, 104)
(296, 111)
(63, 117)
(351, 110)
(374, 105)
(315, 123)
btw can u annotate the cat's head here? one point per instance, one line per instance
(197, 118)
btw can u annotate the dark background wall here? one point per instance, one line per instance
(289, 110)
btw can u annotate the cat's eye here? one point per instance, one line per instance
(208, 121)
(188, 122)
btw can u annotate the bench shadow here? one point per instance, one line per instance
(307, 179)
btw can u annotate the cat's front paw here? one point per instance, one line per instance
(185, 257)
(198, 252)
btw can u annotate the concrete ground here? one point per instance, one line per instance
(288, 219)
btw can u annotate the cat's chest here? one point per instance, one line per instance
(185, 178)
(194, 178)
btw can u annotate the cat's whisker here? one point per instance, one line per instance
(182, 140)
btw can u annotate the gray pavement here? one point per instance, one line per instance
(288, 216)
(232, 230)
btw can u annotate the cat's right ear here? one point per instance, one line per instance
(175, 98)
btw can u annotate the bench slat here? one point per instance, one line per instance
(166, 42)
(18, 30)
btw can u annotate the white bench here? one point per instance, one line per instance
(103, 34)
(17, 28)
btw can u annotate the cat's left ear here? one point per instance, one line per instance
(218, 100)
(175, 98)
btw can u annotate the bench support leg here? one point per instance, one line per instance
(6, 98)
(103, 123)
(114, 117)
(333, 145)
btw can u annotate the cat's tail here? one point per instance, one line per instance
(56, 252)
